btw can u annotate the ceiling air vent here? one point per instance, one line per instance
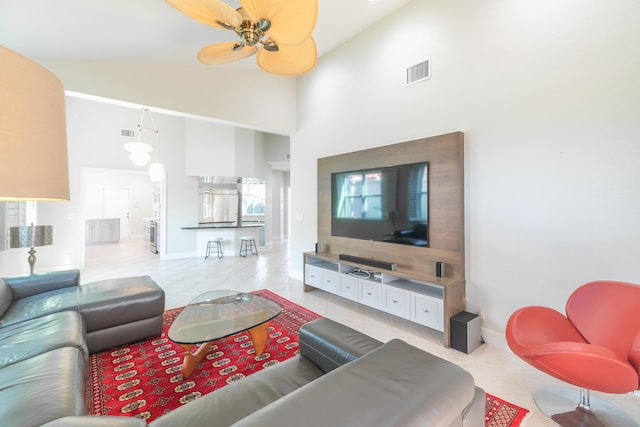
(418, 73)
(128, 133)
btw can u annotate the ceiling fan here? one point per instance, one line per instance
(278, 31)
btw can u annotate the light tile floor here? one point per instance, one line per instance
(495, 369)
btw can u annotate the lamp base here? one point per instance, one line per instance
(31, 259)
(567, 408)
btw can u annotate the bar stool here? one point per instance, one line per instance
(248, 245)
(215, 245)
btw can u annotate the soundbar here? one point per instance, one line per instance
(368, 261)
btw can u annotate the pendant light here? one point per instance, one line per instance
(139, 150)
(156, 170)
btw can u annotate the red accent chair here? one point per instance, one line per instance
(596, 346)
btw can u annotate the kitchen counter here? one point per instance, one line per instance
(230, 233)
(223, 225)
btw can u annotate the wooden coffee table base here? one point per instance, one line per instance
(258, 335)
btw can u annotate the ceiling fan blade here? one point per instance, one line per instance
(209, 12)
(292, 21)
(224, 53)
(289, 60)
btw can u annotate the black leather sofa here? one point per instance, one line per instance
(340, 378)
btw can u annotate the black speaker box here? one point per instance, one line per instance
(441, 269)
(465, 332)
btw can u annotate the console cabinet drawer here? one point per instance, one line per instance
(313, 276)
(427, 311)
(370, 294)
(348, 287)
(330, 281)
(397, 301)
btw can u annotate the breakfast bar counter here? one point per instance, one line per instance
(230, 233)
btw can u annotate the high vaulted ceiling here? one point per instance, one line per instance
(152, 31)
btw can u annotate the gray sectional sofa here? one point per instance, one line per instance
(340, 378)
(49, 324)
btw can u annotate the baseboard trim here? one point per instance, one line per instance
(495, 338)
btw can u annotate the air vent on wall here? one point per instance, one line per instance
(418, 73)
(128, 133)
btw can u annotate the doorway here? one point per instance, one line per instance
(116, 203)
(117, 193)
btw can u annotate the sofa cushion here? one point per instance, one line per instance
(43, 388)
(36, 336)
(25, 286)
(225, 406)
(6, 297)
(394, 385)
(41, 304)
(330, 344)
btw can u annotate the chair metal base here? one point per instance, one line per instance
(248, 246)
(214, 246)
(573, 408)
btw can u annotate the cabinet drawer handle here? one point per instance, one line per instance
(369, 293)
(427, 311)
(395, 302)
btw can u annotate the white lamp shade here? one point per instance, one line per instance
(138, 147)
(156, 172)
(33, 132)
(139, 159)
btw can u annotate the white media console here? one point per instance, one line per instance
(393, 292)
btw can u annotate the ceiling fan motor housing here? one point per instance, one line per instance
(251, 33)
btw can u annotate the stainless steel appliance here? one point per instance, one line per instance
(153, 236)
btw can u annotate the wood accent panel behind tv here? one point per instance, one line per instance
(445, 154)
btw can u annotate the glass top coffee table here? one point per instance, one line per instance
(219, 314)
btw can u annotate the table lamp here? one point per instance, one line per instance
(31, 236)
(33, 142)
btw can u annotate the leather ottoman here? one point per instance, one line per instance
(120, 311)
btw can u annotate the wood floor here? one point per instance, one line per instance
(496, 370)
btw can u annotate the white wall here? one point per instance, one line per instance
(548, 96)
(214, 92)
(210, 149)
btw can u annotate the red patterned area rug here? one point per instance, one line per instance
(500, 413)
(143, 379)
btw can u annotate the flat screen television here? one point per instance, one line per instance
(384, 204)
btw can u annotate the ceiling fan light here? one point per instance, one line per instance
(263, 25)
